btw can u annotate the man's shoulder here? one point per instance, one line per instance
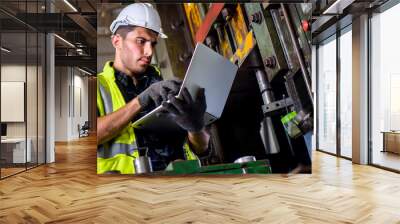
(108, 68)
(154, 73)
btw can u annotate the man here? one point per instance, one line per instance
(130, 87)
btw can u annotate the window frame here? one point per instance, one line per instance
(336, 35)
(379, 10)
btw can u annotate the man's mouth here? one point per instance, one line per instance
(145, 60)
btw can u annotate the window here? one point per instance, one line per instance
(385, 89)
(326, 61)
(333, 106)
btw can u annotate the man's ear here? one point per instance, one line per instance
(116, 41)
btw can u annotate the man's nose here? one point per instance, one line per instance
(148, 49)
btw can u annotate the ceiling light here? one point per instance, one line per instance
(5, 50)
(337, 7)
(81, 51)
(65, 41)
(70, 5)
(84, 71)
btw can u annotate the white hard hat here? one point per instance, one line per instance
(139, 14)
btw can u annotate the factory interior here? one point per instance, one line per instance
(312, 103)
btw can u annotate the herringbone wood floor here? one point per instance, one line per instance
(69, 191)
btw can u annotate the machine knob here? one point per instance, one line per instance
(256, 17)
(270, 62)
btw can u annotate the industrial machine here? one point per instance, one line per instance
(269, 113)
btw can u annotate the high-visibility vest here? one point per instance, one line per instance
(119, 153)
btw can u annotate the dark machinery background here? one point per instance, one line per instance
(272, 45)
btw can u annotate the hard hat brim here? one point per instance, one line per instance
(163, 36)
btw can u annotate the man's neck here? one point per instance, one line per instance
(118, 66)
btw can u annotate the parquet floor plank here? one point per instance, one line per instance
(69, 191)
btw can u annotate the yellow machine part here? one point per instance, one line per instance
(244, 50)
(193, 16)
(224, 45)
(238, 25)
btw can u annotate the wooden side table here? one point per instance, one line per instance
(391, 141)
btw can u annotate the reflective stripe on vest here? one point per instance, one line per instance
(114, 149)
(106, 99)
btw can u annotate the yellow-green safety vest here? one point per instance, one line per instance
(119, 153)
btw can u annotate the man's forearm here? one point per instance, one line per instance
(108, 126)
(199, 141)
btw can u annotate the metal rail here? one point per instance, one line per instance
(297, 50)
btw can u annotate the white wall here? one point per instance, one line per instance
(12, 73)
(61, 103)
(33, 127)
(71, 95)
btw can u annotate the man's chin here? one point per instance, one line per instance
(144, 67)
(140, 69)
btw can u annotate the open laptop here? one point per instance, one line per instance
(208, 70)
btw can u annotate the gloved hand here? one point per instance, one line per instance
(188, 114)
(158, 92)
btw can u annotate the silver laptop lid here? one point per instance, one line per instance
(208, 70)
(214, 73)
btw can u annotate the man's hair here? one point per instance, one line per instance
(124, 30)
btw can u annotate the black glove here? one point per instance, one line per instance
(188, 114)
(158, 92)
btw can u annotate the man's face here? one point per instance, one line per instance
(137, 49)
